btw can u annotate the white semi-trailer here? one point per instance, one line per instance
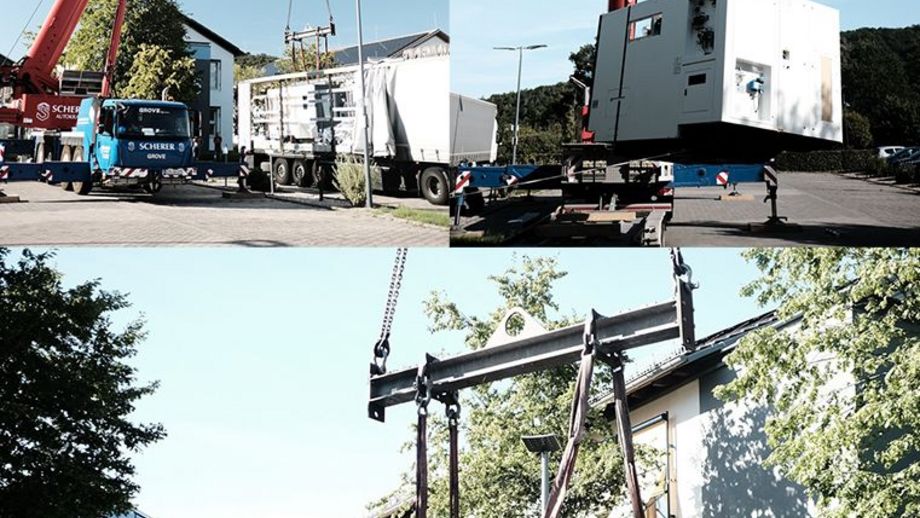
(473, 130)
(297, 125)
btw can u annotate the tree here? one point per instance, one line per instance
(858, 130)
(305, 60)
(499, 477)
(66, 392)
(550, 115)
(853, 444)
(155, 72)
(583, 59)
(154, 23)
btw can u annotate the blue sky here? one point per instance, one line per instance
(479, 25)
(263, 359)
(259, 26)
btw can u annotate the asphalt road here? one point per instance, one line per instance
(194, 216)
(825, 209)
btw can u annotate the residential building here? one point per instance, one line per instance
(709, 453)
(393, 47)
(214, 59)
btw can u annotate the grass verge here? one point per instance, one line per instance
(428, 217)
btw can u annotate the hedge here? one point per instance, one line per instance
(823, 161)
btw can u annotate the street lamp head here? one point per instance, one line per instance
(504, 48)
(541, 443)
(535, 47)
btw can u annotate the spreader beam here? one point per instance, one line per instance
(636, 328)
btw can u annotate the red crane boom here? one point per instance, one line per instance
(36, 99)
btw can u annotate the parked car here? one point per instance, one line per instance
(886, 152)
(903, 155)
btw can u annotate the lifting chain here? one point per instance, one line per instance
(382, 347)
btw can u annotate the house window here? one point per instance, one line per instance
(645, 28)
(215, 75)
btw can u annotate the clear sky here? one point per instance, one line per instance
(263, 358)
(479, 25)
(259, 26)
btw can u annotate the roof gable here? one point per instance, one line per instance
(213, 36)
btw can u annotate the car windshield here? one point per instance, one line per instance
(905, 153)
(139, 121)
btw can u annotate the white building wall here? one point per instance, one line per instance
(686, 445)
(223, 97)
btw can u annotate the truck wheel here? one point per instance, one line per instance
(67, 156)
(433, 184)
(82, 188)
(300, 175)
(282, 171)
(155, 185)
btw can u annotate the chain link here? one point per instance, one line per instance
(382, 347)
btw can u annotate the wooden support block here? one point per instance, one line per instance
(9, 199)
(611, 217)
(737, 197)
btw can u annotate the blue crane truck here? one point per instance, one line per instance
(125, 143)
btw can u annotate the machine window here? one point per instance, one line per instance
(645, 28)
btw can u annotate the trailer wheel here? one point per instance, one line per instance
(433, 184)
(282, 171)
(300, 175)
(82, 188)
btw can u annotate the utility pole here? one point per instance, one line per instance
(363, 109)
(517, 115)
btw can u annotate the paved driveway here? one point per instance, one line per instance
(829, 209)
(194, 216)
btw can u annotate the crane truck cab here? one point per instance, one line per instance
(135, 143)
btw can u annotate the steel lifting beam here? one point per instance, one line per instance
(629, 330)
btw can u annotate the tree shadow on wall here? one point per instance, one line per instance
(735, 482)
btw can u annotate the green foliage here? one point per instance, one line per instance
(846, 416)
(156, 71)
(876, 167)
(350, 181)
(66, 392)
(154, 23)
(499, 477)
(822, 161)
(305, 60)
(857, 130)
(583, 59)
(881, 80)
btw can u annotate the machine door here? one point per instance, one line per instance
(105, 151)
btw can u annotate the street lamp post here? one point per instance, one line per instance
(542, 445)
(517, 115)
(363, 108)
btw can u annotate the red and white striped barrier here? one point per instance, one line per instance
(463, 181)
(4, 173)
(244, 171)
(722, 179)
(511, 180)
(47, 175)
(2, 153)
(770, 176)
(129, 172)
